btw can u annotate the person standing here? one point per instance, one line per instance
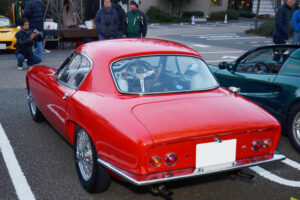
(25, 39)
(122, 17)
(107, 21)
(282, 22)
(69, 15)
(296, 26)
(34, 12)
(136, 21)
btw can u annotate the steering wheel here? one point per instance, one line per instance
(261, 67)
(140, 70)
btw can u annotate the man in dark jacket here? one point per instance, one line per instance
(25, 39)
(282, 22)
(136, 21)
(34, 12)
(122, 17)
(107, 22)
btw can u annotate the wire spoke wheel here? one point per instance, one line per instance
(32, 103)
(296, 127)
(84, 155)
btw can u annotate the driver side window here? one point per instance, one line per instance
(264, 61)
(73, 74)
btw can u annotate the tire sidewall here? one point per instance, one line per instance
(294, 111)
(89, 184)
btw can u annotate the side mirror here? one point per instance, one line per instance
(223, 65)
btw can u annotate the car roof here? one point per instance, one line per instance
(120, 48)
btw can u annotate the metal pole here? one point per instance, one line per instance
(81, 8)
(100, 2)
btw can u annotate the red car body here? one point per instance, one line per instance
(127, 130)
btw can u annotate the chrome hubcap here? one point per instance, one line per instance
(31, 102)
(296, 127)
(84, 155)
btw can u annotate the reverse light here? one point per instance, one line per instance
(257, 145)
(156, 161)
(171, 159)
(268, 143)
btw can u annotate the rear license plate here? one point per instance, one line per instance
(2, 46)
(215, 154)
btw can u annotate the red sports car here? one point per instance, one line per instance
(148, 111)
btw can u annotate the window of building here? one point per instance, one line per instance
(215, 2)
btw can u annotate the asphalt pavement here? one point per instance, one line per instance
(46, 159)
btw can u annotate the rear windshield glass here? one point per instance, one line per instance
(162, 74)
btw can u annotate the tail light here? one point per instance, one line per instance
(171, 159)
(156, 161)
(268, 143)
(257, 145)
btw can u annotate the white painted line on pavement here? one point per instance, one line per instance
(272, 177)
(200, 45)
(221, 52)
(18, 179)
(217, 61)
(291, 163)
(234, 38)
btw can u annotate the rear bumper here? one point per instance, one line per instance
(189, 172)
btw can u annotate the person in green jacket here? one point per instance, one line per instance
(136, 21)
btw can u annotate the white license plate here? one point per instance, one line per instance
(2, 46)
(215, 153)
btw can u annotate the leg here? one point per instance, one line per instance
(21, 59)
(100, 37)
(33, 60)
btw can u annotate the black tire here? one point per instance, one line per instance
(36, 114)
(99, 179)
(293, 126)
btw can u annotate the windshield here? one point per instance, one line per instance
(5, 23)
(162, 74)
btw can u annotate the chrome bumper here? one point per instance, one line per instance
(189, 172)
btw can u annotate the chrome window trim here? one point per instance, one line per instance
(90, 68)
(155, 93)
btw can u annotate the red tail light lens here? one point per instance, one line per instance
(171, 159)
(257, 145)
(156, 161)
(268, 143)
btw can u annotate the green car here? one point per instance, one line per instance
(269, 76)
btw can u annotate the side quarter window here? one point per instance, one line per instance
(75, 72)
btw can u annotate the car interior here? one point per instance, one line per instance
(162, 74)
(265, 61)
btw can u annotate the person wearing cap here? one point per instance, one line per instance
(136, 21)
(122, 17)
(107, 21)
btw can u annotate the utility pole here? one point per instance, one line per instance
(257, 12)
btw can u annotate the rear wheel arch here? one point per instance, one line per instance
(71, 126)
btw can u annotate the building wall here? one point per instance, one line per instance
(196, 5)
(146, 4)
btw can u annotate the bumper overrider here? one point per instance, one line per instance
(160, 177)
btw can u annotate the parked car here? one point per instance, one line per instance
(148, 111)
(7, 33)
(269, 76)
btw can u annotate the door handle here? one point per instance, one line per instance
(66, 95)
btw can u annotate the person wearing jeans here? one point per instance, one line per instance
(296, 26)
(34, 12)
(107, 21)
(25, 40)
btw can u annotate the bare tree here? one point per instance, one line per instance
(275, 4)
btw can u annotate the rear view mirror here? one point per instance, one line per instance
(223, 65)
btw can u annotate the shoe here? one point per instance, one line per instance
(20, 68)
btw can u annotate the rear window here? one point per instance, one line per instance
(162, 74)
